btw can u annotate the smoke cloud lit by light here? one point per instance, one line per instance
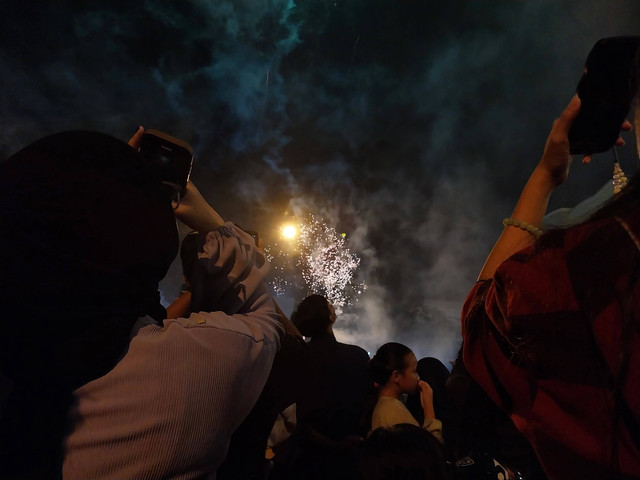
(409, 126)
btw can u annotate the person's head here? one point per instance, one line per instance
(314, 316)
(435, 373)
(87, 233)
(395, 365)
(403, 452)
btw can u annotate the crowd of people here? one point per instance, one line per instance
(99, 381)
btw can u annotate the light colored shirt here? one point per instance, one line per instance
(168, 408)
(391, 411)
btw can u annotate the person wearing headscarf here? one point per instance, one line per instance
(94, 383)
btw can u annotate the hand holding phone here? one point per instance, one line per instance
(606, 89)
(174, 157)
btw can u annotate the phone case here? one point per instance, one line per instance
(606, 90)
(174, 157)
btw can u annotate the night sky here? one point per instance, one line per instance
(411, 126)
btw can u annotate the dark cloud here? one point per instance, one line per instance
(409, 125)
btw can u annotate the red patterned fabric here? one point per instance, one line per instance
(544, 339)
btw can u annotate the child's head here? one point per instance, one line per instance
(395, 365)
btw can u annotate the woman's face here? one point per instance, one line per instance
(408, 378)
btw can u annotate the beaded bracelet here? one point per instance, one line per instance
(533, 230)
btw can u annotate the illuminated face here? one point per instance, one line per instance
(408, 378)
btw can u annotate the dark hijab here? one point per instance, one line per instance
(87, 233)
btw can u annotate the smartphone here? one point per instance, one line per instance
(174, 157)
(606, 90)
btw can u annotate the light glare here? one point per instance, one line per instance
(324, 262)
(289, 231)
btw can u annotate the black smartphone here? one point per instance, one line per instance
(174, 157)
(606, 90)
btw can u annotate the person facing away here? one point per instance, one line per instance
(94, 384)
(551, 330)
(393, 370)
(329, 410)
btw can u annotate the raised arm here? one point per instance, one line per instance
(431, 423)
(196, 213)
(551, 171)
(193, 210)
(426, 400)
(532, 204)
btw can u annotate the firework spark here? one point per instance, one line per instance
(319, 261)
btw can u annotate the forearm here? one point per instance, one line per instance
(202, 219)
(181, 306)
(195, 212)
(434, 426)
(428, 411)
(531, 208)
(426, 399)
(532, 205)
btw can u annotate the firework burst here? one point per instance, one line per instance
(318, 261)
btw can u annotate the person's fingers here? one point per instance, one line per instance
(568, 115)
(135, 140)
(586, 159)
(561, 125)
(424, 385)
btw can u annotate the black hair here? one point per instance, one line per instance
(389, 357)
(435, 373)
(312, 316)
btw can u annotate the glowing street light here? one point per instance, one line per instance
(289, 232)
(321, 259)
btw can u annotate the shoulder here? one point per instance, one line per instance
(260, 326)
(390, 411)
(387, 404)
(354, 351)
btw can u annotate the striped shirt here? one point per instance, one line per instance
(168, 408)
